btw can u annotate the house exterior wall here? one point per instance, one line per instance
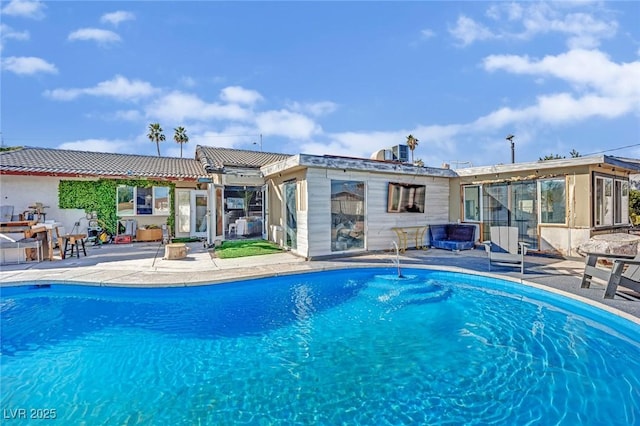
(22, 191)
(563, 239)
(314, 207)
(276, 221)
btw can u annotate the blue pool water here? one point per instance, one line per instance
(343, 347)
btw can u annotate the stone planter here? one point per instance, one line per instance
(175, 251)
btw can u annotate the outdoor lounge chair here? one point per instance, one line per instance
(504, 249)
(617, 275)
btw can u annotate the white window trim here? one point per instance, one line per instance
(624, 201)
(539, 201)
(464, 204)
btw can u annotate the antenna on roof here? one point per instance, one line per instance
(256, 143)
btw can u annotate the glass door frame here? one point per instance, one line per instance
(195, 220)
(290, 201)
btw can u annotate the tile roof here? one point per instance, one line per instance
(216, 159)
(46, 161)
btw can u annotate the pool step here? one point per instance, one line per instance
(405, 291)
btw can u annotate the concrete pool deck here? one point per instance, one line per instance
(142, 265)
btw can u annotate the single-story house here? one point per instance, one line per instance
(322, 205)
(68, 186)
(555, 204)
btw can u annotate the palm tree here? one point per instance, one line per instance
(156, 135)
(180, 136)
(412, 142)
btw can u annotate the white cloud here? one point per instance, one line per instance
(427, 34)
(100, 145)
(314, 108)
(6, 32)
(128, 115)
(286, 123)
(233, 136)
(468, 31)
(24, 9)
(585, 70)
(359, 144)
(555, 109)
(94, 34)
(583, 30)
(28, 65)
(240, 95)
(180, 106)
(436, 143)
(119, 88)
(508, 11)
(334, 147)
(188, 81)
(115, 18)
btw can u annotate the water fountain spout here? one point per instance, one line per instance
(397, 260)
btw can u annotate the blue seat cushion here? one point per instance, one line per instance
(452, 236)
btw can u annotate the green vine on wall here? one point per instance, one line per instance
(100, 196)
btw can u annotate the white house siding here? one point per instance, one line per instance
(318, 214)
(378, 223)
(24, 191)
(302, 217)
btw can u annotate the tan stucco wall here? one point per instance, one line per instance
(565, 238)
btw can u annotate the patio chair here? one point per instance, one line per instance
(617, 275)
(504, 249)
(17, 248)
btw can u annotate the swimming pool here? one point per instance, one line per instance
(358, 346)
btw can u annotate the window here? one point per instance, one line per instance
(509, 204)
(611, 198)
(347, 215)
(471, 203)
(143, 201)
(136, 200)
(125, 199)
(161, 200)
(553, 206)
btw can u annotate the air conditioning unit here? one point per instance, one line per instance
(378, 155)
(401, 153)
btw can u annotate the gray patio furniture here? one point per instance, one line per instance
(10, 246)
(625, 272)
(504, 249)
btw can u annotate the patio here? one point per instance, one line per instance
(141, 264)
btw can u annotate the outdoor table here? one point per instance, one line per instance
(403, 231)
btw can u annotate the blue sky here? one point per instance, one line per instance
(339, 78)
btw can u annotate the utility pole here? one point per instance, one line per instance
(513, 148)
